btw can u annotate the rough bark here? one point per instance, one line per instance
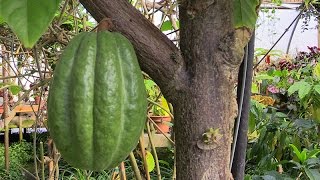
(207, 45)
(200, 83)
(157, 55)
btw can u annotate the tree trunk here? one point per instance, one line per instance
(206, 43)
(196, 113)
(199, 81)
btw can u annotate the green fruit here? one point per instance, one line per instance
(97, 101)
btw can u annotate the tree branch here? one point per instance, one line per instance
(157, 55)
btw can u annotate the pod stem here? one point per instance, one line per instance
(105, 25)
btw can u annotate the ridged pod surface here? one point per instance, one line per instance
(97, 101)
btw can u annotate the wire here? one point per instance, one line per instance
(237, 123)
(245, 69)
(173, 31)
(291, 36)
(286, 30)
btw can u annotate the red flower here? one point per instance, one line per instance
(267, 60)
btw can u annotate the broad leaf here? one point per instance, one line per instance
(314, 111)
(149, 84)
(304, 90)
(302, 123)
(302, 87)
(14, 89)
(1, 20)
(312, 162)
(254, 88)
(273, 175)
(303, 156)
(313, 153)
(166, 26)
(313, 174)
(252, 123)
(263, 77)
(253, 136)
(268, 177)
(296, 151)
(317, 88)
(294, 87)
(245, 13)
(28, 19)
(164, 163)
(316, 71)
(281, 115)
(150, 161)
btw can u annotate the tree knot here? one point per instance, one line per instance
(210, 139)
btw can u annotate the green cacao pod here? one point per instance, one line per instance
(97, 101)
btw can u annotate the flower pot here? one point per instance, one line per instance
(163, 123)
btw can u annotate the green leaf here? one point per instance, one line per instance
(293, 88)
(296, 151)
(164, 162)
(304, 90)
(1, 20)
(298, 165)
(263, 77)
(252, 123)
(14, 89)
(316, 71)
(273, 175)
(314, 111)
(317, 88)
(303, 155)
(303, 123)
(312, 174)
(149, 84)
(281, 115)
(302, 87)
(150, 161)
(313, 153)
(268, 177)
(254, 88)
(28, 19)
(166, 26)
(312, 162)
(245, 13)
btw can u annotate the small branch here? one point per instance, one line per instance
(157, 104)
(5, 114)
(26, 171)
(143, 155)
(37, 62)
(42, 160)
(62, 11)
(122, 171)
(13, 77)
(134, 166)
(157, 55)
(154, 151)
(143, 2)
(26, 93)
(159, 129)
